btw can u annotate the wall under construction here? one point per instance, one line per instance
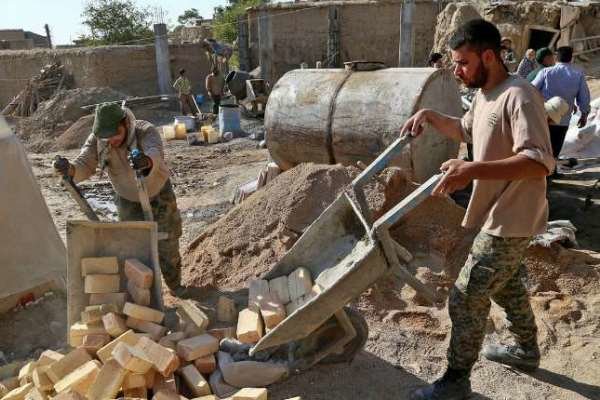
(129, 69)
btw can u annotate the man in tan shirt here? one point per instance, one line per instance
(214, 87)
(512, 156)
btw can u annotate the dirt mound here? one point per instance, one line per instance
(258, 232)
(54, 116)
(75, 136)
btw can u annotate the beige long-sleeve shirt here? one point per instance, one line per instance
(94, 153)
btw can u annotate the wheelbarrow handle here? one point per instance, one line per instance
(382, 161)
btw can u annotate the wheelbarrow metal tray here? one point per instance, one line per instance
(343, 260)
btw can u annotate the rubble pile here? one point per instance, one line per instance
(121, 347)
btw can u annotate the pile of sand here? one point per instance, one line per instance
(54, 116)
(76, 135)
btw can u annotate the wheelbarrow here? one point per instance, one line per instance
(346, 252)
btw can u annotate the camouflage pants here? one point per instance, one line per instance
(168, 219)
(492, 271)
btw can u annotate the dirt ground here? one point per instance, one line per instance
(406, 345)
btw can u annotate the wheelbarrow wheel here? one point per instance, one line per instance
(355, 345)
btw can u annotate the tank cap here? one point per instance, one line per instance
(361, 65)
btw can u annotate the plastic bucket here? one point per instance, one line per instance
(229, 119)
(189, 122)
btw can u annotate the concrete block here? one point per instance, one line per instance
(94, 314)
(93, 343)
(78, 330)
(222, 333)
(26, 371)
(80, 379)
(131, 358)
(130, 338)
(251, 394)
(108, 382)
(136, 393)
(197, 346)
(279, 289)
(195, 381)
(69, 363)
(193, 314)
(164, 360)
(257, 291)
(49, 357)
(249, 326)
(138, 273)
(41, 380)
(99, 265)
(207, 364)
(299, 283)
(102, 283)
(139, 295)
(69, 395)
(155, 331)
(114, 324)
(226, 310)
(272, 311)
(36, 394)
(18, 393)
(133, 380)
(118, 299)
(143, 313)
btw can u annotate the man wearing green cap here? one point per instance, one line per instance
(115, 133)
(545, 59)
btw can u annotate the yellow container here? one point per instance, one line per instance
(209, 134)
(180, 131)
(168, 132)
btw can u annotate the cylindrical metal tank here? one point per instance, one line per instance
(341, 116)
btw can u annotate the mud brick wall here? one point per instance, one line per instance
(130, 69)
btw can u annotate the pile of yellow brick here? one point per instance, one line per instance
(122, 350)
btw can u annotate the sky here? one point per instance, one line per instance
(64, 16)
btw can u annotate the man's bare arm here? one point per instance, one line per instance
(445, 124)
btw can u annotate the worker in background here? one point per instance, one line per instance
(512, 156)
(184, 91)
(435, 61)
(527, 64)
(566, 81)
(545, 58)
(215, 83)
(507, 54)
(114, 134)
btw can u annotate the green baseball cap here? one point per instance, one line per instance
(106, 121)
(542, 53)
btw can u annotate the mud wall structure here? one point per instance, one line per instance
(129, 69)
(368, 30)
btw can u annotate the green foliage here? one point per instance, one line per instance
(115, 22)
(189, 16)
(225, 18)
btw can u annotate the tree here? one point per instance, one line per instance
(115, 22)
(225, 18)
(189, 16)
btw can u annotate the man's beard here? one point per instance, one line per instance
(480, 79)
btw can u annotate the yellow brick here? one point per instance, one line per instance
(129, 337)
(197, 346)
(209, 397)
(93, 314)
(251, 394)
(154, 330)
(36, 394)
(139, 295)
(279, 289)
(69, 395)
(136, 393)
(163, 359)
(162, 383)
(206, 365)
(118, 299)
(249, 326)
(114, 324)
(272, 312)
(99, 265)
(18, 393)
(79, 330)
(151, 377)
(226, 310)
(48, 357)
(193, 315)
(143, 313)
(133, 380)
(80, 379)
(102, 283)
(93, 343)
(195, 381)
(299, 283)
(26, 371)
(257, 291)
(138, 273)
(108, 382)
(67, 364)
(221, 333)
(41, 380)
(131, 358)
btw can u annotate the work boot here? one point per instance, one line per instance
(526, 358)
(454, 385)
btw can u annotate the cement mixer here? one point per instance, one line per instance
(331, 116)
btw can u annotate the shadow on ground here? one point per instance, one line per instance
(564, 382)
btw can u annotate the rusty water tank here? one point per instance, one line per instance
(331, 116)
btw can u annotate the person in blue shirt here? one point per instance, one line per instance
(567, 81)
